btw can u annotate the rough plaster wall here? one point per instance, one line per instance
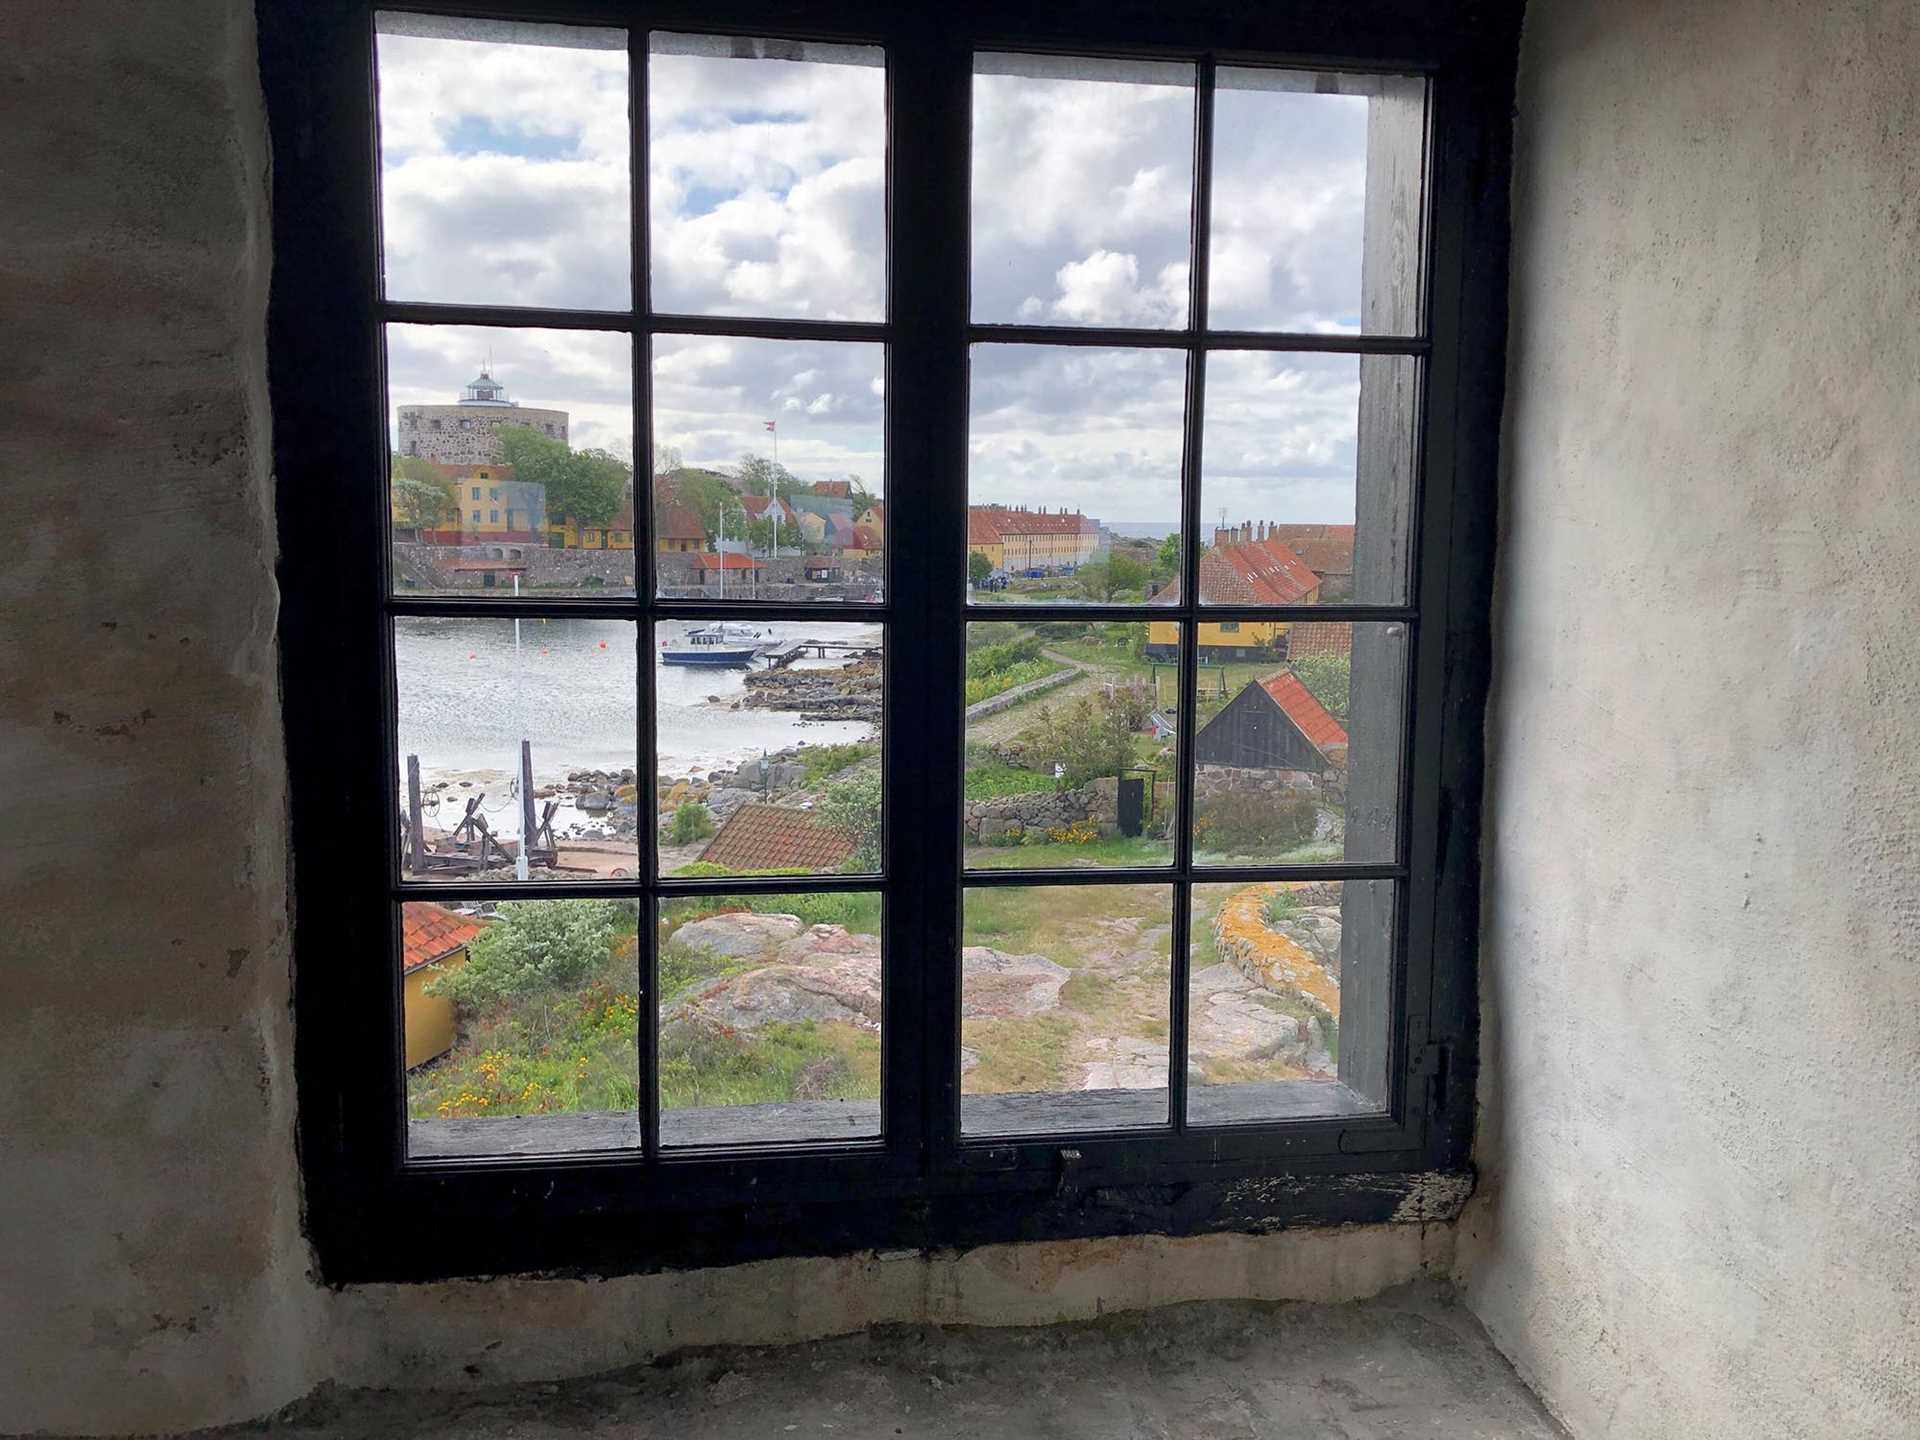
(148, 1225)
(152, 1274)
(1701, 1134)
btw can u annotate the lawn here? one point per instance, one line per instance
(1095, 854)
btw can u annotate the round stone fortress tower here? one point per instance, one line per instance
(463, 434)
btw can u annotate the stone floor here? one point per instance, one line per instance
(1410, 1363)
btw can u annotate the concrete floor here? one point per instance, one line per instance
(1410, 1363)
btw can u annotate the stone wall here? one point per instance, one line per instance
(1699, 1141)
(477, 443)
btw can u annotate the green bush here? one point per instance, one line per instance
(993, 780)
(1088, 738)
(853, 808)
(1329, 679)
(691, 822)
(1280, 908)
(984, 659)
(820, 761)
(1254, 820)
(534, 947)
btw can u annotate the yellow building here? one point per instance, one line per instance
(1053, 541)
(434, 942)
(1258, 571)
(874, 517)
(567, 535)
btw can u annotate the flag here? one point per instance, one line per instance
(768, 423)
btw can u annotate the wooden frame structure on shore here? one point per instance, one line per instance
(616, 1199)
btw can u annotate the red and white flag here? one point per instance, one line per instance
(768, 423)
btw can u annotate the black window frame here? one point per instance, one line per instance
(374, 1215)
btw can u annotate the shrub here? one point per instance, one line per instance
(1280, 908)
(1255, 820)
(1329, 679)
(1087, 738)
(853, 808)
(691, 822)
(534, 947)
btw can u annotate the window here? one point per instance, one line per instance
(493, 493)
(493, 516)
(778, 883)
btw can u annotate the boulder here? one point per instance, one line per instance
(724, 800)
(1233, 1019)
(998, 986)
(842, 989)
(1124, 1062)
(738, 934)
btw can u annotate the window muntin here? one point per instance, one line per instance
(1192, 527)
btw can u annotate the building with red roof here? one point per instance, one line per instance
(434, 942)
(1275, 724)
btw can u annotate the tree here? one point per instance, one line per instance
(1329, 679)
(853, 809)
(1125, 573)
(422, 496)
(587, 487)
(1166, 560)
(1086, 739)
(666, 460)
(594, 485)
(757, 475)
(979, 567)
(533, 947)
(1104, 580)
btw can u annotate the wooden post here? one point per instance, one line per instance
(526, 801)
(416, 842)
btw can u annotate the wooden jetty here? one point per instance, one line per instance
(787, 651)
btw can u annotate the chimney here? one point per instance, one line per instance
(1219, 536)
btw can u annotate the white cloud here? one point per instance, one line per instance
(505, 173)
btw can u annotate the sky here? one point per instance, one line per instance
(505, 174)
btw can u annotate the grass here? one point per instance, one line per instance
(773, 1064)
(550, 1053)
(822, 761)
(1068, 925)
(992, 780)
(998, 682)
(1120, 850)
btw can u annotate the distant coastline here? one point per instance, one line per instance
(1143, 529)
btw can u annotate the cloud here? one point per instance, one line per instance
(505, 179)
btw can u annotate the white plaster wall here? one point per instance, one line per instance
(152, 1271)
(1701, 1106)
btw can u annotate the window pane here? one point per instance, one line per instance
(769, 1018)
(769, 459)
(522, 1026)
(1306, 478)
(504, 170)
(1270, 1037)
(1073, 473)
(1298, 742)
(1316, 217)
(768, 748)
(511, 461)
(767, 178)
(1082, 191)
(1064, 1007)
(481, 702)
(1070, 758)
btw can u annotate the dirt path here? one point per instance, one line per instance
(1008, 723)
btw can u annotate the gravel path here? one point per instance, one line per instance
(1009, 723)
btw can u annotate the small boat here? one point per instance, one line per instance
(724, 644)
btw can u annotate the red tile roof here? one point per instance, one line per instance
(677, 522)
(1319, 637)
(729, 560)
(777, 837)
(1220, 584)
(757, 506)
(1003, 521)
(865, 537)
(432, 932)
(1327, 549)
(1276, 575)
(842, 488)
(1308, 715)
(981, 530)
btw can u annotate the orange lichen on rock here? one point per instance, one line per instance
(1270, 959)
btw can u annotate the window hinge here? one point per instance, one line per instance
(1430, 1060)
